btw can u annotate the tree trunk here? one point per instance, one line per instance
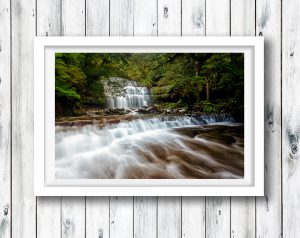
(207, 90)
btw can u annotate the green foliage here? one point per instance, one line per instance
(213, 82)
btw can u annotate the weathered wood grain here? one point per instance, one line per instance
(193, 208)
(5, 120)
(48, 208)
(145, 217)
(290, 118)
(73, 209)
(145, 17)
(48, 19)
(97, 217)
(73, 17)
(121, 217)
(48, 223)
(217, 217)
(145, 208)
(268, 208)
(242, 217)
(218, 208)
(68, 17)
(23, 201)
(218, 17)
(193, 17)
(169, 17)
(169, 217)
(242, 208)
(242, 18)
(193, 217)
(97, 18)
(121, 17)
(73, 217)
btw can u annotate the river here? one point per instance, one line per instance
(165, 147)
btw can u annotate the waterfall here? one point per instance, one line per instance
(123, 93)
(143, 148)
(134, 97)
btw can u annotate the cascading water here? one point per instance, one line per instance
(135, 97)
(164, 147)
(122, 93)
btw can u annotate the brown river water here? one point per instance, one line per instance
(157, 148)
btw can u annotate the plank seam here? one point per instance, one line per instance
(11, 109)
(133, 214)
(36, 207)
(281, 133)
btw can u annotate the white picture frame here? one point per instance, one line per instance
(45, 183)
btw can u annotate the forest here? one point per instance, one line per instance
(202, 82)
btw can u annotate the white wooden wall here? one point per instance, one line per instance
(274, 215)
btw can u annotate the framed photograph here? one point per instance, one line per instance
(149, 116)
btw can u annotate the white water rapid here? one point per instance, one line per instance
(166, 147)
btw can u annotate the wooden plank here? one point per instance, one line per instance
(48, 217)
(193, 208)
(121, 217)
(193, 17)
(242, 18)
(218, 17)
(73, 17)
(145, 208)
(97, 217)
(290, 117)
(145, 17)
(169, 217)
(242, 208)
(49, 22)
(242, 217)
(23, 200)
(169, 17)
(121, 208)
(268, 208)
(5, 120)
(97, 208)
(73, 209)
(218, 208)
(97, 18)
(48, 208)
(121, 17)
(73, 217)
(217, 217)
(193, 217)
(145, 217)
(169, 208)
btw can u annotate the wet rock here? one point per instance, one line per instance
(113, 121)
(155, 109)
(116, 111)
(81, 122)
(63, 123)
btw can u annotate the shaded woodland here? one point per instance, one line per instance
(205, 82)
